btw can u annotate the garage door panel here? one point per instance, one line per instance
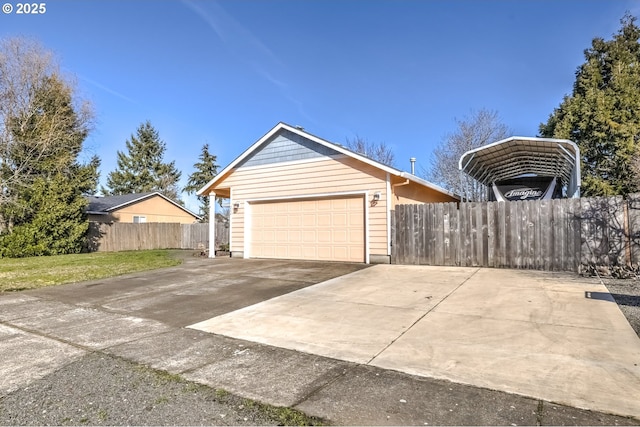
(356, 220)
(325, 252)
(321, 229)
(341, 236)
(324, 205)
(324, 236)
(295, 221)
(324, 219)
(341, 251)
(309, 252)
(295, 252)
(354, 237)
(345, 204)
(340, 219)
(295, 237)
(308, 220)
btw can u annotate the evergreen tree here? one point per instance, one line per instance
(205, 169)
(57, 222)
(42, 181)
(602, 115)
(142, 167)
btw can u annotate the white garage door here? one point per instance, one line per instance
(318, 229)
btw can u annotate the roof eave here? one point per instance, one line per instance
(335, 147)
(303, 134)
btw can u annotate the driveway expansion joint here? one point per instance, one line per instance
(44, 335)
(422, 317)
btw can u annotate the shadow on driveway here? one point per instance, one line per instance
(198, 289)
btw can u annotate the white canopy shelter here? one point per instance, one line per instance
(519, 156)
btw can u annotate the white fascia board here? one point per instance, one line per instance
(325, 143)
(304, 134)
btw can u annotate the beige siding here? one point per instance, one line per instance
(413, 193)
(324, 176)
(155, 209)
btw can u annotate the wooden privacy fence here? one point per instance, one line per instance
(561, 234)
(117, 236)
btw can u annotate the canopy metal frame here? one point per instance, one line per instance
(519, 156)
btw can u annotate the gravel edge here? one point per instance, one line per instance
(626, 293)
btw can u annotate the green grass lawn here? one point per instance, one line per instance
(29, 273)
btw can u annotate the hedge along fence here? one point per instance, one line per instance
(117, 236)
(561, 234)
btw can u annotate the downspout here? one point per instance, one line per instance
(399, 184)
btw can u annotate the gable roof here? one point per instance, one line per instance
(104, 205)
(336, 147)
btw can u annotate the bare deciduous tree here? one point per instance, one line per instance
(379, 152)
(480, 128)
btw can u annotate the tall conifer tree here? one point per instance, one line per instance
(205, 169)
(602, 115)
(142, 168)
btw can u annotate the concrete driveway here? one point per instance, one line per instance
(553, 336)
(197, 289)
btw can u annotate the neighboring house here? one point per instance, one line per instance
(138, 207)
(294, 195)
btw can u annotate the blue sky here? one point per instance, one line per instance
(398, 72)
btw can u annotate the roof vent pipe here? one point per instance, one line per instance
(413, 165)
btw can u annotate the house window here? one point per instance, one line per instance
(138, 219)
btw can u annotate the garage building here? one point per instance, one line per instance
(296, 196)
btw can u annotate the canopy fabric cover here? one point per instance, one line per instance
(517, 156)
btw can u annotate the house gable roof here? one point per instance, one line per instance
(286, 146)
(108, 204)
(326, 147)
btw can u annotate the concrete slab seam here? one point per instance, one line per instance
(42, 335)
(323, 386)
(70, 343)
(422, 317)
